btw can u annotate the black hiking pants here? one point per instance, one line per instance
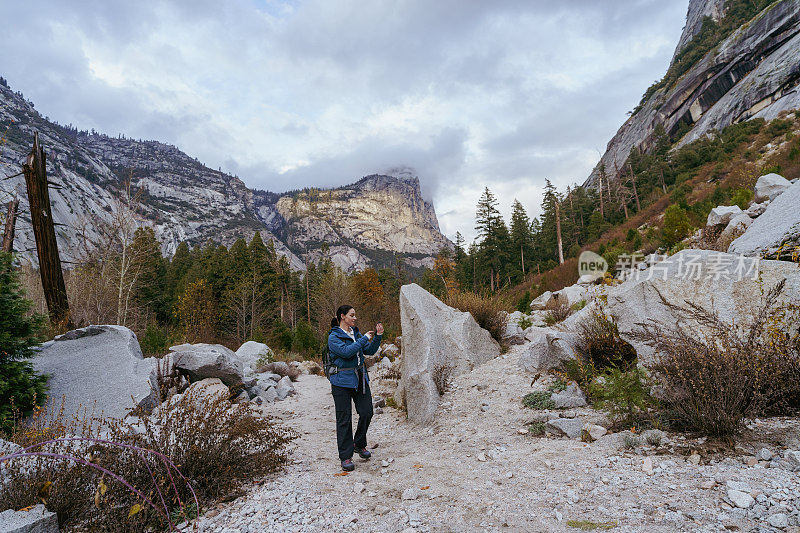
(342, 398)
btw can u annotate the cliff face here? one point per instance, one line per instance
(378, 213)
(754, 72)
(363, 224)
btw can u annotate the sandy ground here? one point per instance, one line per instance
(472, 470)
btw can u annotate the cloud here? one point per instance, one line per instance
(321, 92)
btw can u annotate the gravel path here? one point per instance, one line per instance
(474, 471)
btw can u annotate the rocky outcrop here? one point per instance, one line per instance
(753, 73)
(363, 224)
(730, 285)
(778, 226)
(436, 338)
(98, 367)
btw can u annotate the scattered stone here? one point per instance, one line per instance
(647, 465)
(35, 520)
(411, 493)
(594, 431)
(736, 227)
(792, 458)
(694, 459)
(381, 510)
(358, 488)
(549, 350)
(541, 302)
(756, 210)
(751, 461)
(779, 520)
(569, 427)
(764, 454)
(722, 215)
(708, 484)
(284, 388)
(572, 396)
(740, 499)
(482, 457)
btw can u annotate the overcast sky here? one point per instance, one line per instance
(320, 93)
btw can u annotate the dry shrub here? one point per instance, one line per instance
(292, 371)
(557, 312)
(315, 369)
(719, 374)
(216, 445)
(442, 377)
(486, 311)
(601, 344)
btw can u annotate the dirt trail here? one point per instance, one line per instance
(473, 471)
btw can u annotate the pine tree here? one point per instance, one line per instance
(521, 236)
(20, 386)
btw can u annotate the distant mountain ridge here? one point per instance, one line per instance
(374, 222)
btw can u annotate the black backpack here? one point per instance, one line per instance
(327, 365)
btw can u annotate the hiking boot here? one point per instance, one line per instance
(363, 453)
(348, 465)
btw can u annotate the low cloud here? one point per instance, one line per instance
(321, 92)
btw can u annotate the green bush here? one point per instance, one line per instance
(632, 233)
(155, 341)
(20, 387)
(676, 226)
(538, 400)
(536, 429)
(524, 302)
(742, 197)
(624, 394)
(304, 341)
(524, 322)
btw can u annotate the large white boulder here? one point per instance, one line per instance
(778, 226)
(436, 336)
(722, 214)
(730, 285)
(250, 352)
(201, 361)
(770, 186)
(98, 367)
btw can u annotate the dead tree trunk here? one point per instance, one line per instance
(11, 220)
(55, 291)
(558, 235)
(635, 192)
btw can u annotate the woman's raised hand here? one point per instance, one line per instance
(379, 328)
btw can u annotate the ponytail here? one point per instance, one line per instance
(343, 310)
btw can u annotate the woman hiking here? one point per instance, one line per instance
(350, 382)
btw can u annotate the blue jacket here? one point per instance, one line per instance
(346, 353)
